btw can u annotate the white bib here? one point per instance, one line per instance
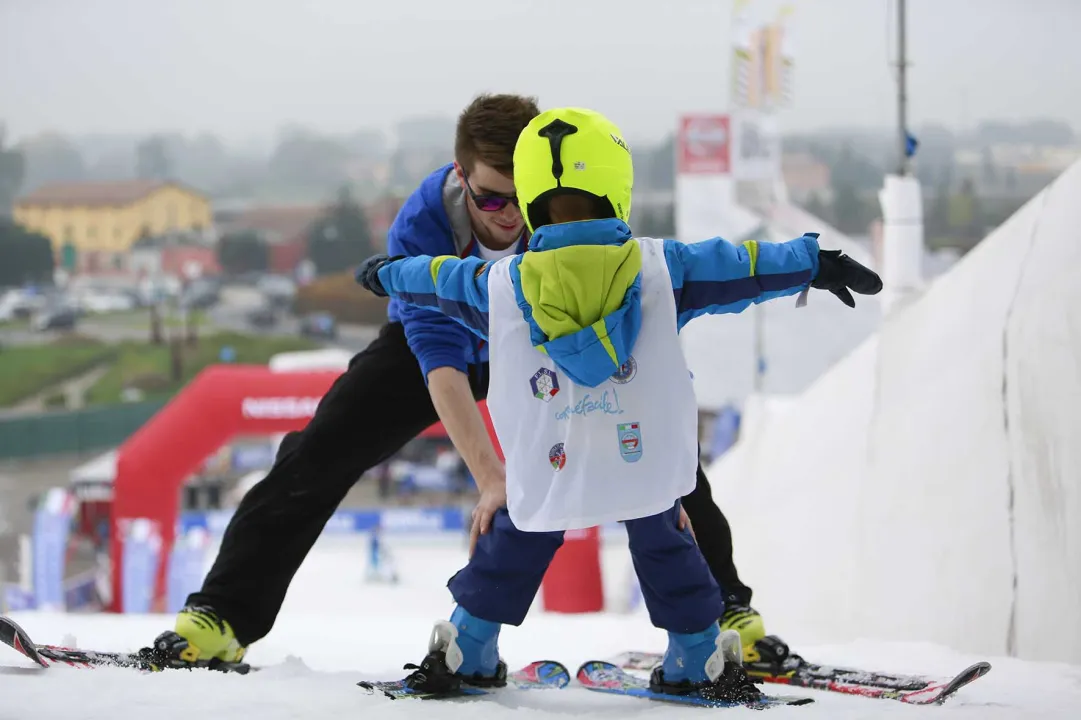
(578, 456)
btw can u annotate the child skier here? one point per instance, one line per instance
(591, 397)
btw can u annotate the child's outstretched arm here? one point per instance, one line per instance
(456, 287)
(716, 276)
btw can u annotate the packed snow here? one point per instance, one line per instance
(335, 629)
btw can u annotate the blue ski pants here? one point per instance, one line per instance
(503, 576)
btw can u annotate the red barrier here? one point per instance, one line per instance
(573, 582)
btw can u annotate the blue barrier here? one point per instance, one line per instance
(141, 550)
(187, 567)
(81, 592)
(52, 526)
(389, 520)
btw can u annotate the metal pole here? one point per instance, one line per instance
(902, 98)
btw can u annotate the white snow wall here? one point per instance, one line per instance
(928, 487)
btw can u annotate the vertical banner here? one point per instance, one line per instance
(763, 62)
(703, 176)
(187, 567)
(52, 526)
(763, 69)
(141, 549)
(742, 56)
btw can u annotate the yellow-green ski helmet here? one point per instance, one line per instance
(572, 150)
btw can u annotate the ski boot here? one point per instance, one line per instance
(708, 663)
(202, 638)
(463, 650)
(746, 621)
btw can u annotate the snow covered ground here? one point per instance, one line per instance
(335, 630)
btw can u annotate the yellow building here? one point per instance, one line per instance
(93, 225)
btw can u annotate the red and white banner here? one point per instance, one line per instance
(704, 145)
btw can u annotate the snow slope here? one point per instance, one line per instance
(335, 630)
(928, 486)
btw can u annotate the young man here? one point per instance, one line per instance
(422, 368)
(591, 396)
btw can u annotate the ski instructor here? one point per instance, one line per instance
(422, 368)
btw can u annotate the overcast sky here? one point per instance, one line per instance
(244, 68)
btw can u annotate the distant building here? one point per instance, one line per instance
(93, 225)
(283, 227)
(178, 255)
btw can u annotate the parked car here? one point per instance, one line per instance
(265, 316)
(277, 289)
(200, 294)
(319, 325)
(103, 300)
(55, 318)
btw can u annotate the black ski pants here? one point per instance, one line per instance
(379, 404)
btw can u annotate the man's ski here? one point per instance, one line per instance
(540, 675)
(608, 678)
(47, 655)
(16, 638)
(791, 669)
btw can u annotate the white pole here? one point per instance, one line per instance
(902, 94)
(902, 203)
(26, 563)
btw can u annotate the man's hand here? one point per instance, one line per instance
(685, 522)
(492, 498)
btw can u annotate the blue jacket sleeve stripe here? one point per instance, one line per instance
(458, 288)
(715, 276)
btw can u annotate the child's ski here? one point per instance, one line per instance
(795, 671)
(540, 675)
(606, 677)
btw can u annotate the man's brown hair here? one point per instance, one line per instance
(488, 130)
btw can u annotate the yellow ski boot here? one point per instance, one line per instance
(745, 620)
(202, 638)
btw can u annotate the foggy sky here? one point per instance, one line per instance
(244, 68)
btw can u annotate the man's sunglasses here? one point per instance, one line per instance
(488, 203)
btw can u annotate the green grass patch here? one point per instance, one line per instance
(148, 368)
(28, 369)
(140, 318)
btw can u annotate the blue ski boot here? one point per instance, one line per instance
(463, 650)
(709, 663)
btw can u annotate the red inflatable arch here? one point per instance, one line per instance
(221, 402)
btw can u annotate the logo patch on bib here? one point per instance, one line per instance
(630, 441)
(544, 384)
(557, 456)
(626, 371)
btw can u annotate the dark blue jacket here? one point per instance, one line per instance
(435, 221)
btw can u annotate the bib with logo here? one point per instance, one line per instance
(580, 456)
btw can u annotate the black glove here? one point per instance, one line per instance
(839, 273)
(368, 273)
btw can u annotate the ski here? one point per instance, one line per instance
(48, 655)
(16, 638)
(791, 669)
(539, 675)
(606, 677)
